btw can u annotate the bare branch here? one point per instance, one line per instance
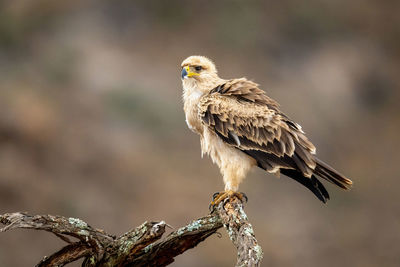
(187, 237)
(60, 226)
(124, 249)
(67, 255)
(240, 232)
(141, 246)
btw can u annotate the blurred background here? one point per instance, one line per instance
(92, 125)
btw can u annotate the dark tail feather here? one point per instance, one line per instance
(312, 183)
(328, 173)
(268, 161)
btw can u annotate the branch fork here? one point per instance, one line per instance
(142, 246)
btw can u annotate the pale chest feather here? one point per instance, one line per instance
(224, 155)
(191, 99)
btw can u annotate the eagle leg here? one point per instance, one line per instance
(218, 197)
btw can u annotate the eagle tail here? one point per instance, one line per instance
(313, 184)
(326, 172)
(268, 161)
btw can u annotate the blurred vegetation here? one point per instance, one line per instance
(92, 126)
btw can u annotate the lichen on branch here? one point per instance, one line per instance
(142, 246)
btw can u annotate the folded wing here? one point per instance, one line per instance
(243, 116)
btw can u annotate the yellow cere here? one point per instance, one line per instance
(190, 74)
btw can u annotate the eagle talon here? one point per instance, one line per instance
(214, 196)
(211, 207)
(224, 197)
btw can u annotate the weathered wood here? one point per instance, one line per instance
(143, 245)
(67, 255)
(189, 236)
(125, 247)
(240, 232)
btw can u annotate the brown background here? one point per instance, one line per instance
(92, 126)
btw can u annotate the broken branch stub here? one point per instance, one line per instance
(143, 245)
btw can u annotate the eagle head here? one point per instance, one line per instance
(198, 68)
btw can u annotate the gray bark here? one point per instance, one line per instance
(142, 246)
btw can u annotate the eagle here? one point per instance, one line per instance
(240, 127)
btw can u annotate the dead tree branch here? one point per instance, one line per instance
(143, 245)
(240, 232)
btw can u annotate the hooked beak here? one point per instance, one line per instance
(187, 73)
(184, 72)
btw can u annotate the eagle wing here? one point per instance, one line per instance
(243, 116)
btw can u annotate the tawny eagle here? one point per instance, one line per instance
(241, 127)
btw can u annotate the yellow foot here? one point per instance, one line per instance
(220, 196)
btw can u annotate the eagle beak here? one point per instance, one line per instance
(184, 72)
(187, 73)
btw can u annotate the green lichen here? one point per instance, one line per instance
(213, 219)
(231, 233)
(77, 222)
(126, 247)
(83, 232)
(92, 260)
(148, 248)
(131, 238)
(243, 215)
(259, 252)
(248, 230)
(191, 227)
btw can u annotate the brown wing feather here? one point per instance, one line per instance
(245, 90)
(244, 116)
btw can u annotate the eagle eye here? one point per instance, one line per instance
(198, 68)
